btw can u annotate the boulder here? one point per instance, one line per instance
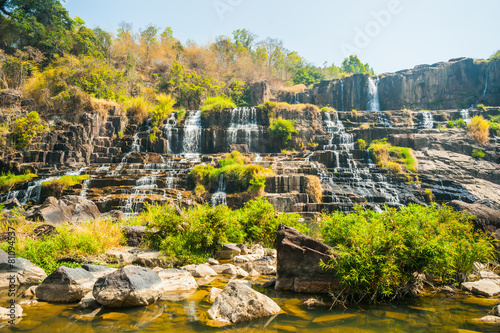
(486, 288)
(12, 203)
(226, 269)
(238, 303)
(177, 280)
(128, 287)
(488, 320)
(69, 208)
(98, 271)
(65, 285)
(228, 251)
(115, 215)
(11, 313)
(25, 272)
(45, 230)
(241, 273)
(264, 266)
(212, 295)
(298, 260)
(212, 261)
(200, 271)
(150, 259)
(269, 283)
(134, 234)
(88, 302)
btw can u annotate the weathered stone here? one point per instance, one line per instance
(177, 280)
(150, 259)
(128, 287)
(12, 203)
(25, 272)
(298, 262)
(265, 265)
(88, 302)
(269, 283)
(212, 261)
(65, 285)
(98, 271)
(45, 230)
(246, 258)
(253, 273)
(134, 234)
(8, 314)
(239, 303)
(489, 320)
(203, 271)
(486, 288)
(228, 251)
(241, 273)
(70, 208)
(227, 269)
(212, 295)
(314, 303)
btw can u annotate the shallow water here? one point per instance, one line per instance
(437, 313)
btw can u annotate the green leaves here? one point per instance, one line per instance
(25, 128)
(282, 131)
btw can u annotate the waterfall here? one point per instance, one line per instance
(258, 158)
(136, 148)
(220, 198)
(339, 138)
(425, 120)
(464, 114)
(169, 129)
(244, 128)
(486, 82)
(342, 95)
(296, 99)
(86, 185)
(373, 95)
(143, 187)
(192, 135)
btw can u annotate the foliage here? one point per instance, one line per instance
(24, 129)
(479, 130)
(399, 160)
(83, 240)
(308, 75)
(361, 144)
(240, 93)
(353, 65)
(496, 55)
(57, 186)
(478, 153)
(314, 189)
(461, 123)
(9, 180)
(450, 124)
(282, 131)
(162, 110)
(217, 104)
(481, 107)
(378, 255)
(138, 108)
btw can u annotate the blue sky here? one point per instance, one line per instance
(388, 34)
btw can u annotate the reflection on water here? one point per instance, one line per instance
(439, 313)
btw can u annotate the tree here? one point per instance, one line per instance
(293, 62)
(25, 128)
(353, 65)
(308, 75)
(103, 42)
(244, 38)
(282, 130)
(148, 38)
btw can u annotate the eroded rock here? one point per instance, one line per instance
(177, 280)
(25, 272)
(65, 285)
(486, 288)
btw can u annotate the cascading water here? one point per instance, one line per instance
(136, 148)
(170, 129)
(342, 94)
(425, 120)
(192, 135)
(143, 187)
(464, 114)
(339, 139)
(374, 102)
(486, 82)
(244, 128)
(220, 198)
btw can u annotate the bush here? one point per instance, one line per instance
(9, 180)
(478, 153)
(461, 123)
(481, 107)
(56, 187)
(282, 131)
(24, 129)
(361, 144)
(450, 124)
(314, 189)
(162, 110)
(399, 160)
(479, 130)
(217, 104)
(378, 255)
(138, 108)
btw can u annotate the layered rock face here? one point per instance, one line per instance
(458, 83)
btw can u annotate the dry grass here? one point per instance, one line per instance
(296, 89)
(479, 130)
(314, 189)
(138, 108)
(102, 106)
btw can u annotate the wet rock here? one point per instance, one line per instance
(228, 251)
(65, 285)
(486, 288)
(241, 273)
(98, 271)
(314, 303)
(253, 273)
(448, 290)
(246, 258)
(30, 292)
(88, 302)
(7, 314)
(488, 320)
(239, 303)
(25, 272)
(298, 263)
(128, 287)
(269, 283)
(70, 208)
(134, 234)
(12, 203)
(212, 295)
(177, 280)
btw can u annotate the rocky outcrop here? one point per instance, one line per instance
(458, 83)
(298, 262)
(65, 285)
(238, 303)
(70, 208)
(134, 234)
(177, 280)
(24, 272)
(128, 287)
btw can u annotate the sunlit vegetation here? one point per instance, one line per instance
(9, 180)
(379, 255)
(479, 130)
(217, 104)
(282, 131)
(399, 160)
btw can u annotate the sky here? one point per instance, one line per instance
(390, 35)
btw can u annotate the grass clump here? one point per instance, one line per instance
(478, 154)
(479, 130)
(217, 104)
(314, 189)
(360, 144)
(9, 180)
(461, 123)
(191, 235)
(80, 241)
(399, 160)
(282, 131)
(378, 255)
(239, 175)
(271, 107)
(57, 186)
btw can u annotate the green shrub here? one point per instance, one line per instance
(24, 129)
(56, 187)
(461, 123)
(217, 104)
(138, 108)
(399, 160)
(481, 107)
(478, 153)
(450, 124)
(9, 180)
(361, 144)
(377, 255)
(282, 131)
(162, 110)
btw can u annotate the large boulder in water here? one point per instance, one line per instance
(69, 208)
(128, 287)
(25, 272)
(298, 263)
(238, 303)
(65, 285)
